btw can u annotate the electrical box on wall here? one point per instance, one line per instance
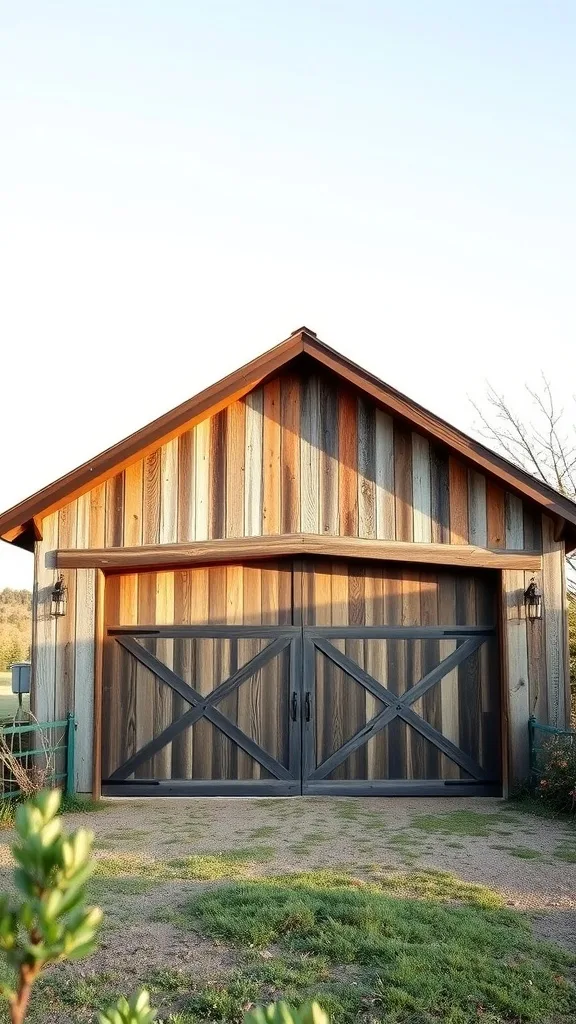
(20, 677)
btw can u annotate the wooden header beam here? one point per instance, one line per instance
(207, 552)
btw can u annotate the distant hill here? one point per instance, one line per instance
(15, 626)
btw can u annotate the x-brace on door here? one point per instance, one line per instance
(400, 710)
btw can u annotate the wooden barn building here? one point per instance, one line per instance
(299, 581)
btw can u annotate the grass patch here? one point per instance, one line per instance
(71, 804)
(181, 999)
(74, 804)
(264, 832)
(458, 823)
(565, 853)
(126, 835)
(419, 959)
(211, 867)
(201, 867)
(441, 886)
(522, 852)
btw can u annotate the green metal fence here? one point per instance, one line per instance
(542, 738)
(47, 746)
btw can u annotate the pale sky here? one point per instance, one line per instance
(182, 184)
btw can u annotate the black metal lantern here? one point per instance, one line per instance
(533, 600)
(58, 598)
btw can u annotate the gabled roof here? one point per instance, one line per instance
(22, 523)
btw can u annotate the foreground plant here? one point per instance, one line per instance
(282, 1013)
(51, 922)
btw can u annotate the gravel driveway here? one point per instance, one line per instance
(530, 860)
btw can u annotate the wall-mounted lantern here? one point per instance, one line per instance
(58, 598)
(533, 600)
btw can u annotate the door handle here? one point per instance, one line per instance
(294, 706)
(307, 706)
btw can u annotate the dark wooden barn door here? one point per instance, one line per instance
(398, 710)
(316, 676)
(236, 730)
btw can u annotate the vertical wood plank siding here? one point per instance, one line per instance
(515, 641)
(44, 626)
(304, 454)
(553, 586)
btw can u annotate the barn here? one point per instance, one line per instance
(298, 581)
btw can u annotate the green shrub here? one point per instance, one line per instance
(557, 773)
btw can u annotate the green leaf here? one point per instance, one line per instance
(23, 882)
(48, 803)
(82, 845)
(51, 832)
(52, 904)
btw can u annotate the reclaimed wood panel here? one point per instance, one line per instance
(202, 732)
(376, 663)
(430, 656)
(235, 469)
(403, 483)
(385, 502)
(66, 624)
(439, 495)
(514, 518)
(97, 530)
(250, 693)
(164, 615)
(114, 534)
(554, 602)
(253, 464)
(272, 456)
(217, 476)
(184, 666)
(348, 456)
(366, 469)
(329, 465)
(202, 479)
(44, 625)
(477, 509)
(290, 416)
(421, 489)
(495, 516)
(132, 509)
(186, 487)
(84, 643)
(309, 457)
(516, 664)
(169, 493)
(458, 481)
(449, 703)
(151, 498)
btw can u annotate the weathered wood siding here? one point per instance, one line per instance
(302, 454)
(63, 648)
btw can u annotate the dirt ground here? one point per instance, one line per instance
(530, 860)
